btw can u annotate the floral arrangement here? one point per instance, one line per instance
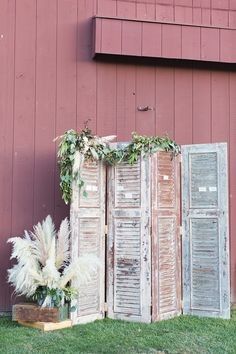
(83, 146)
(44, 270)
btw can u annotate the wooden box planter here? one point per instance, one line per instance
(29, 312)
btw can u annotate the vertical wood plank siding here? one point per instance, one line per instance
(7, 73)
(50, 83)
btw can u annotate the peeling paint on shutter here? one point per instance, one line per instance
(166, 253)
(128, 256)
(88, 236)
(206, 289)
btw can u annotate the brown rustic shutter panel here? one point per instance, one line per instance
(88, 236)
(206, 287)
(166, 252)
(128, 256)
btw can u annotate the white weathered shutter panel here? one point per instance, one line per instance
(128, 256)
(206, 290)
(166, 253)
(88, 237)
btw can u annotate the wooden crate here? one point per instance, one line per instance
(47, 326)
(29, 312)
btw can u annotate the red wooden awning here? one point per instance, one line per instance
(117, 36)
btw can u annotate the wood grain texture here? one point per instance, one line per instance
(111, 36)
(24, 117)
(166, 252)
(45, 115)
(131, 38)
(191, 43)
(126, 9)
(232, 19)
(106, 98)
(220, 106)
(65, 83)
(151, 40)
(183, 14)
(126, 101)
(171, 41)
(206, 286)
(227, 47)
(197, 15)
(183, 105)
(210, 44)
(165, 100)
(146, 10)
(232, 180)
(201, 106)
(106, 7)
(165, 12)
(7, 73)
(30, 312)
(206, 16)
(145, 96)
(219, 18)
(86, 71)
(47, 326)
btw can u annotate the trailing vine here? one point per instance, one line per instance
(94, 148)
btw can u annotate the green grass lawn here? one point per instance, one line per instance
(185, 334)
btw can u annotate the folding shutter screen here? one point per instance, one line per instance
(166, 252)
(205, 230)
(129, 274)
(88, 236)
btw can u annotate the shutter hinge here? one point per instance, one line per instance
(181, 230)
(105, 307)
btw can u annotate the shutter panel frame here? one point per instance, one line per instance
(166, 271)
(81, 215)
(206, 216)
(117, 211)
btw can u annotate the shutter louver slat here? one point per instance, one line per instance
(127, 266)
(167, 265)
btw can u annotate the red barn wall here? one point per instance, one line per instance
(50, 83)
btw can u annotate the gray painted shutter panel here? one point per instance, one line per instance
(88, 236)
(128, 256)
(166, 253)
(206, 286)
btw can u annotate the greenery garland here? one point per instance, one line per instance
(95, 148)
